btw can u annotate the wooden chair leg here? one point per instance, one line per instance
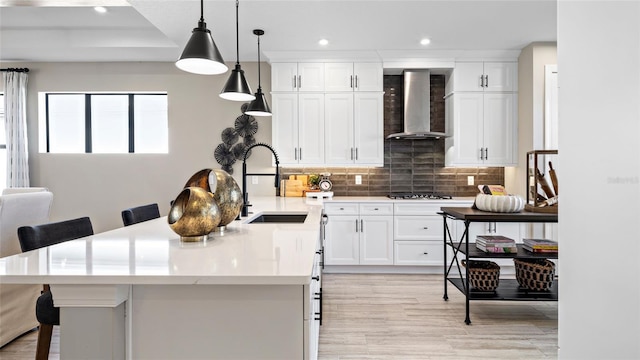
(44, 341)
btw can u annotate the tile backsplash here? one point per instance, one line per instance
(409, 165)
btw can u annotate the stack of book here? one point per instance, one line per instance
(496, 244)
(540, 245)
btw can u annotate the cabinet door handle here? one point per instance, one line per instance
(486, 81)
(300, 152)
(351, 153)
(299, 81)
(486, 153)
(341, 208)
(425, 253)
(356, 225)
(481, 153)
(361, 225)
(316, 278)
(356, 153)
(351, 82)
(295, 153)
(481, 80)
(294, 81)
(425, 228)
(375, 209)
(356, 81)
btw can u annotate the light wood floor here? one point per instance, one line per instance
(395, 317)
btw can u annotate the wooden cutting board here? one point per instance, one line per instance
(292, 188)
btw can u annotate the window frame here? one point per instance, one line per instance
(88, 140)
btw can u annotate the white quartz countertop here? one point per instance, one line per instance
(446, 202)
(151, 253)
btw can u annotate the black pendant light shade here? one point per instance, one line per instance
(237, 88)
(201, 55)
(259, 106)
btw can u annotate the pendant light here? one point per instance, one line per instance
(201, 55)
(237, 88)
(259, 106)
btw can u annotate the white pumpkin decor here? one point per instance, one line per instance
(500, 203)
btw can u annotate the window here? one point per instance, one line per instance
(106, 123)
(3, 147)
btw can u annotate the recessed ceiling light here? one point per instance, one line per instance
(425, 41)
(323, 42)
(100, 9)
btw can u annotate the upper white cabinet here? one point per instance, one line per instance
(485, 129)
(485, 76)
(354, 130)
(349, 129)
(353, 77)
(299, 77)
(298, 128)
(481, 114)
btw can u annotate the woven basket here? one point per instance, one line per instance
(483, 275)
(535, 274)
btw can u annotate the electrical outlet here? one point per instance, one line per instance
(358, 179)
(470, 180)
(254, 180)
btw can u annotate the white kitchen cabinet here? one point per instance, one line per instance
(485, 76)
(353, 77)
(298, 128)
(313, 307)
(354, 129)
(359, 234)
(417, 234)
(297, 77)
(484, 129)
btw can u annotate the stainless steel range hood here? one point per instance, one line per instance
(417, 107)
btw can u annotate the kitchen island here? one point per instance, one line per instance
(138, 292)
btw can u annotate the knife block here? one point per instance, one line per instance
(539, 186)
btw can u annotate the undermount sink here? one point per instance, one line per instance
(279, 218)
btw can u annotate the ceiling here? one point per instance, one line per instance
(156, 30)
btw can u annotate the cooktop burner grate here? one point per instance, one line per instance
(426, 196)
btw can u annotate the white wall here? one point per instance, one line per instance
(101, 186)
(531, 64)
(599, 154)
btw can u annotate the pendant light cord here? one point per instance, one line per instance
(259, 85)
(202, 14)
(237, 35)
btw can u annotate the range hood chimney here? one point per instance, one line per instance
(417, 107)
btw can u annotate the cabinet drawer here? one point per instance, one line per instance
(376, 208)
(417, 207)
(418, 227)
(419, 253)
(341, 209)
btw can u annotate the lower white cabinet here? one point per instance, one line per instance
(418, 252)
(313, 308)
(359, 234)
(417, 235)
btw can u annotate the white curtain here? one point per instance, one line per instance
(15, 124)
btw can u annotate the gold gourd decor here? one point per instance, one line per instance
(226, 193)
(194, 214)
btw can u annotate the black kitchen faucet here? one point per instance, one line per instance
(245, 196)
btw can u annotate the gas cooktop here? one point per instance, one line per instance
(419, 196)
